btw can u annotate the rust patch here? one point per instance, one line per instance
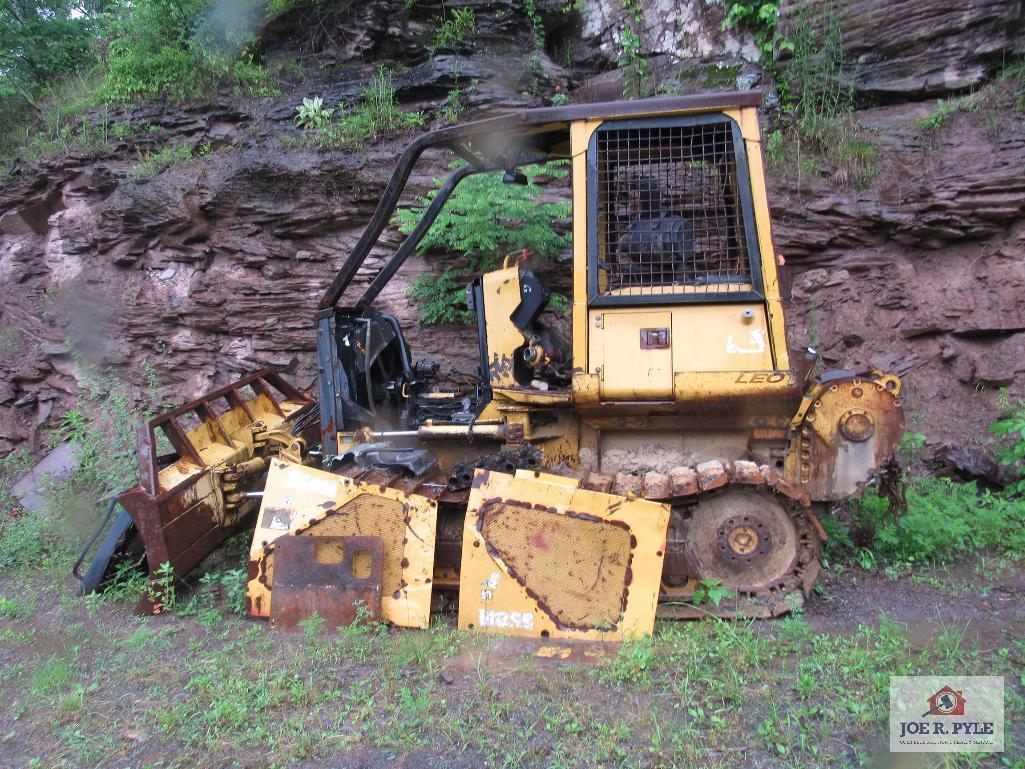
(305, 586)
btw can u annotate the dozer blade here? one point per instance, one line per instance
(197, 461)
(299, 501)
(546, 559)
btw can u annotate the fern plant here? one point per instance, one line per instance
(442, 298)
(454, 30)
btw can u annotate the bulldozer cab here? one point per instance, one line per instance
(675, 276)
(675, 292)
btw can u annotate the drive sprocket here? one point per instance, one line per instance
(759, 544)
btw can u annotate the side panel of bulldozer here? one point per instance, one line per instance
(544, 558)
(301, 501)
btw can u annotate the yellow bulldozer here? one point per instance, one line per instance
(674, 447)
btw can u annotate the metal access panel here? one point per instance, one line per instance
(636, 355)
(545, 559)
(301, 501)
(332, 577)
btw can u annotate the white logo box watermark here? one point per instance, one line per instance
(946, 714)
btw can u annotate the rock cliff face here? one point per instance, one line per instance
(907, 49)
(214, 268)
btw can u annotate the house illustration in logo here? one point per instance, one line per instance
(946, 702)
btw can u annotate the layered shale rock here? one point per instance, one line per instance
(215, 267)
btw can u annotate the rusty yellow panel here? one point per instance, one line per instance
(632, 354)
(301, 501)
(545, 559)
(501, 289)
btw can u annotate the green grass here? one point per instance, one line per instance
(375, 113)
(940, 114)
(13, 609)
(233, 691)
(171, 155)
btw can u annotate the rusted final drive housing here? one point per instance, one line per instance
(192, 498)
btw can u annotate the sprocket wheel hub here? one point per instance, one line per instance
(745, 538)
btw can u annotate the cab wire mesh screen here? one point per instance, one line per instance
(671, 199)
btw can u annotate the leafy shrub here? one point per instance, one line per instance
(40, 38)
(313, 114)
(375, 113)
(180, 49)
(50, 74)
(40, 43)
(150, 52)
(483, 220)
(758, 17)
(162, 588)
(944, 520)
